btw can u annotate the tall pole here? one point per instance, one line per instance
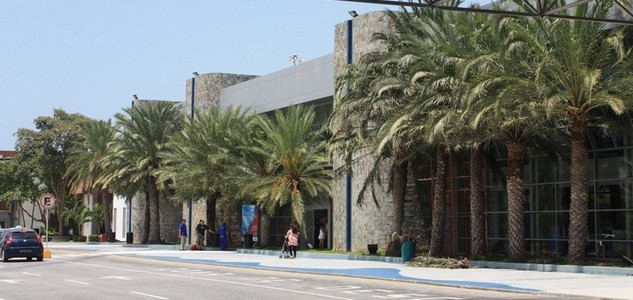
(47, 214)
(348, 179)
(193, 102)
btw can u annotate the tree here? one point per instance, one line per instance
(302, 166)
(136, 157)
(589, 64)
(44, 152)
(86, 168)
(202, 160)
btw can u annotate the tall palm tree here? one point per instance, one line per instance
(201, 160)
(87, 166)
(303, 169)
(588, 64)
(142, 135)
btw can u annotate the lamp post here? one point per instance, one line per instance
(193, 111)
(348, 178)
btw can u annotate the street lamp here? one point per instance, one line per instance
(353, 13)
(193, 102)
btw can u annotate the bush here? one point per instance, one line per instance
(94, 238)
(438, 262)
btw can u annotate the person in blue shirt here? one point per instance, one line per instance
(224, 238)
(182, 232)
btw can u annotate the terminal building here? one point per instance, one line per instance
(352, 227)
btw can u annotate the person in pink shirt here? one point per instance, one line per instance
(292, 237)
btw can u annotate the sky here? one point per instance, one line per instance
(90, 57)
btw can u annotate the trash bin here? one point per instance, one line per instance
(129, 238)
(408, 251)
(112, 237)
(248, 241)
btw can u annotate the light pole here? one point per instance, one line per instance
(193, 111)
(348, 178)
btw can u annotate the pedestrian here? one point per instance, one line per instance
(182, 232)
(322, 236)
(224, 236)
(201, 230)
(292, 238)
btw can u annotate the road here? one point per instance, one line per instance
(76, 274)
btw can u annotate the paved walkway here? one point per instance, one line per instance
(599, 286)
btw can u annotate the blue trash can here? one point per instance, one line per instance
(408, 251)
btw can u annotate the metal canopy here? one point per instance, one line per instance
(621, 12)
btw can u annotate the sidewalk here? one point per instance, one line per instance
(578, 284)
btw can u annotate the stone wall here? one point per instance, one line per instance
(208, 88)
(370, 222)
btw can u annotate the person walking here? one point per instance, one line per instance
(292, 237)
(182, 232)
(322, 236)
(201, 230)
(224, 236)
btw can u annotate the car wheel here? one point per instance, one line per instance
(5, 257)
(40, 258)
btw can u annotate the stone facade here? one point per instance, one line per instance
(208, 87)
(370, 222)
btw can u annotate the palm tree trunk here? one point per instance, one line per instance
(154, 212)
(477, 205)
(105, 203)
(144, 234)
(264, 229)
(439, 204)
(516, 200)
(399, 191)
(578, 211)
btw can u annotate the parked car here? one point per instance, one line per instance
(21, 242)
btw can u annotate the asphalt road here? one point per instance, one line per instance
(74, 274)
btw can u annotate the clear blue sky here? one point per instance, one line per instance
(90, 57)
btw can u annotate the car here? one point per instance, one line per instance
(21, 242)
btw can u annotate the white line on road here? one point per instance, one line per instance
(76, 281)
(280, 289)
(148, 295)
(32, 274)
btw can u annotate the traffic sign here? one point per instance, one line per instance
(47, 201)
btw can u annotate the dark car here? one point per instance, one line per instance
(21, 242)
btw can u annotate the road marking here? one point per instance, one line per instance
(11, 281)
(32, 274)
(148, 295)
(117, 277)
(76, 281)
(280, 289)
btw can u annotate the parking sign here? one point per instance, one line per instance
(47, 201)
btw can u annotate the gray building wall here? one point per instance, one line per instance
(298, 84)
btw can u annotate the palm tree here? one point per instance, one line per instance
(589, 64)
(87, 167)
(203, 158)
(302, 167)
(142, 135)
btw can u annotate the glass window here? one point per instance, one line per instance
(612, 165)
(541, 225)
(541, 197)
(497, 200)
(498, 225)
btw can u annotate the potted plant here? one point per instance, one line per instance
(372, 249)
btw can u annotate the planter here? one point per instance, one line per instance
(372, 248)
(407, 250)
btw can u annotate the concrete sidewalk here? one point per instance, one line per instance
(599, 286)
